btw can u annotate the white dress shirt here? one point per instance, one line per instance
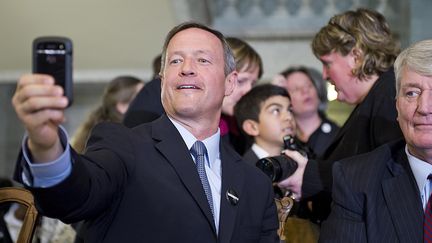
(259, 151)
(421, 170)
(212, 166)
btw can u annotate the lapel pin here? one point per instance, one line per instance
(232, 197)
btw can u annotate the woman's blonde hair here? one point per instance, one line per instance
(363, 29)
(245, 56)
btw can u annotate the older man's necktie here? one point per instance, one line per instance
(427, 223)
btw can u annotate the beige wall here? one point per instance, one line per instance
(110, 36)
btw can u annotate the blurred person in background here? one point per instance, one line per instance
(147, 105)
(250, 69)
(115, 101)
(308, 93)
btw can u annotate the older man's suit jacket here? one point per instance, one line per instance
(375, 199)
(141, 185)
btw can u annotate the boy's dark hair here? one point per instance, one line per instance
(249, 106)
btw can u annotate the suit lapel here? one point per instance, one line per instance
(400, 196)
(172, 146)
(232, 182)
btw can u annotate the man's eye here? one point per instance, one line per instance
(175, 61)
(412, 94)
(202, 60)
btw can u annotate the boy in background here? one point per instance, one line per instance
(264, 115)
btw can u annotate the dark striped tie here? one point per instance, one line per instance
(427, 224)
(199, 151)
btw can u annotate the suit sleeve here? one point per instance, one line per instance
(345, 223)
(317, 177)
(96, 181)
(270, 223)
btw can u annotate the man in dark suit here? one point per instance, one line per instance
(380, 196)
(141, 184)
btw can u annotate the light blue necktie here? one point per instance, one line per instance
(199, 151)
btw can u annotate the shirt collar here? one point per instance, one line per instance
(211, 143)
(421, 169)
(259, 151)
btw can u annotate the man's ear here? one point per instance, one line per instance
(230, 83)
(161, 79)
(250, 127)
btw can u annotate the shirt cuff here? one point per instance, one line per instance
(51, 173)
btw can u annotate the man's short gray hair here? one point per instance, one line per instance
(417, 57)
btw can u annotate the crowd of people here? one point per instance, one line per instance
(174, 159)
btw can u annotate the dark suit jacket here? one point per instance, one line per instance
(321, 138)
(375, 199)
(371, 124)
(146, 106)
(250, 157)
(141, 185)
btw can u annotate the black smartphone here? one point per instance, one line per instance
(53, 56)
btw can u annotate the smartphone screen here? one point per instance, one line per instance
(51, 59)
(53, 56)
